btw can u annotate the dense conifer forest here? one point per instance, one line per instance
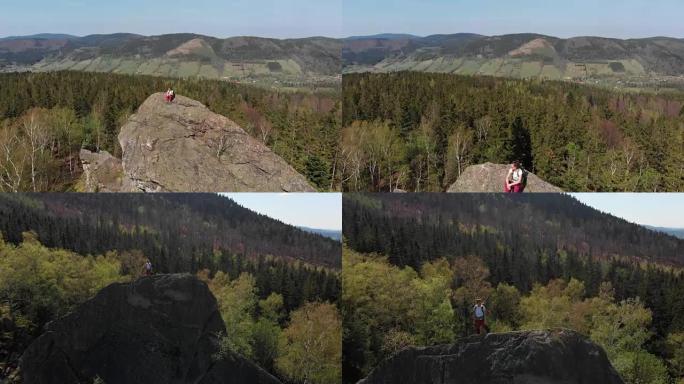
(272, 281)
(415, 264)
(419, 131)
(46, 118)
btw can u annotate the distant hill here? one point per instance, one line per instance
(331, 233)
(386, 36)
(181, 230)
(415, 228)
(523, 55)
(244, 58)
(41, 36)
(677, 232)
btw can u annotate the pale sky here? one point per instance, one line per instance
(338, 18)
(656, 209)
(313, 210)
(607, 18)
(218, 18)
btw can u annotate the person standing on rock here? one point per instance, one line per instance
(479, 313)
(147, 268)
(515, 179)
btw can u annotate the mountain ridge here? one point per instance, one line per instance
(542, 221)
(676, 232)
(335, 234)
(580, 58)
(210, 222)
(260, 60)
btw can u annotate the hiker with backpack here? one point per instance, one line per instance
(147, 268)
(516, 179)
(479, 313)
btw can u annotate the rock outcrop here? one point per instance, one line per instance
(159, 329)
(531, 357)
(102, 172)
(184, 147)
(490, 177)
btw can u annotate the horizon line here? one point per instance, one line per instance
(511, 33)
(342, 37)
(162, 34)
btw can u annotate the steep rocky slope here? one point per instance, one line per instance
(489, 177)
(159, 329)
(532, 357)
(184, 147)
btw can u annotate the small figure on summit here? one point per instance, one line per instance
(516, 178)
(170, 95)
(479, 312)
(147, 268)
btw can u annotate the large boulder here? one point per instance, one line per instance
(531, 357)
(489, 177)
(159, 329)
(185, 147)
(102, 172)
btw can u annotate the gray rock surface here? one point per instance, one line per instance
(185, 147)
(158, 329)
(531, 357)
(102, 172)
(489, 177)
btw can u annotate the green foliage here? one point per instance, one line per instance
(39, 284)
(306, 351)
(264, 343)
(636, 367)
(66, 111)
(534, 261)
(675, 354)
(181, 233)
(272, 307)
(310, 347)
(579, 138)
(387, 308)
(373, 153)
(318, 172)
(237, 303)
(622, 329)
(504, 305)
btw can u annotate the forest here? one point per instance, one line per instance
(91, 223)
(46, 118)
(418, 132)
(443, 251)
(58, 250)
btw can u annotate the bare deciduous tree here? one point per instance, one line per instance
(459, 146)
(12, 160)
(38, 139)
(220, 145)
